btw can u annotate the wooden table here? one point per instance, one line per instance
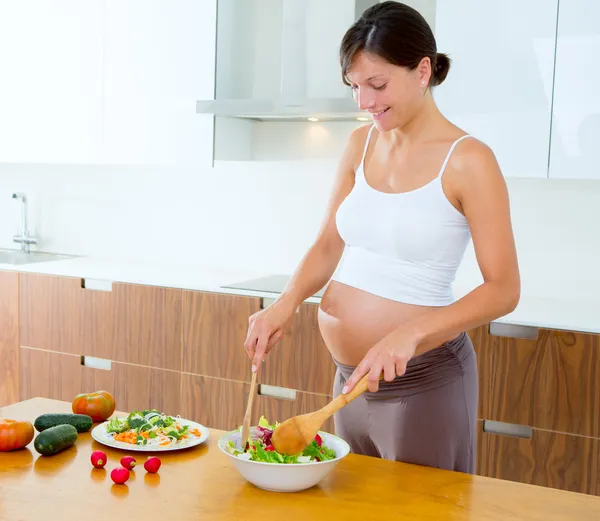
(201, 483)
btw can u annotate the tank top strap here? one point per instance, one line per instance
(362, 161)
(450, 153)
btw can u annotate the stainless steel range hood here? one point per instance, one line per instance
(331, 109)
(278, 60)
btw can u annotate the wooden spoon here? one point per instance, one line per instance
(247, 416)
(294, 435)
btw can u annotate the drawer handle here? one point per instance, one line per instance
(265, 302)
(507, 429)
(277, 392)
(513, 331)
(96, 363)
(97, 284)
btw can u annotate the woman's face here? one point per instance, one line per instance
(390, 93)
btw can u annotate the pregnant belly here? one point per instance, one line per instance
(352, 320)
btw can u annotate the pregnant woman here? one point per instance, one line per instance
(411, 191)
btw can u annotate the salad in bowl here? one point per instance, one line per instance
(260, 464)
(259, 447)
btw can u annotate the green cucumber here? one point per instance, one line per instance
(55, 439)
(82, 422)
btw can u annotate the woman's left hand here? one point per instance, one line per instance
(390, 356)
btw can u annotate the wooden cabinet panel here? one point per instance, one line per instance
(301, 360)
(132, 323)
(215, 327)
(549, 459)
(221, 404)
(59, 376)
(9, 337)
(550, 383)
(62, 377)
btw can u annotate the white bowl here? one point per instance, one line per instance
(286, 477)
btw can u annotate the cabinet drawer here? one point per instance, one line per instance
(301, 360)
(548, 459)
(62, 377)
(9, 337)
(552, 382)
(129, 323)
(221, 404)
(215, 327)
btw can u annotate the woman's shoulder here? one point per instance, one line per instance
(472, 156)
(473, 168)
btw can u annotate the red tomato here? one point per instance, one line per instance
(15, 434)
(98, 405)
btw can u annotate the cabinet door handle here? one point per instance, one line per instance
(513, 331)
(96, 363)
(97, 284)
(273, 391)
(265, 302)
(507, 429)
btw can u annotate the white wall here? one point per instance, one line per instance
(262, 216)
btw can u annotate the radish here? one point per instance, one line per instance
(119, 475)
(98, 459)
(152, 465)
(128, 462)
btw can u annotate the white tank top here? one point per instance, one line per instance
(402, 246)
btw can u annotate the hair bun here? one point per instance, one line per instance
(441, 68)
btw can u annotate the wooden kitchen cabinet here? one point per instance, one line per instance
(61, 377)
(552, 382)
(301, 360)
(9, 337)
(215, 327)
(130, 323)
(549, 459)
(221, 404)
(214, 331)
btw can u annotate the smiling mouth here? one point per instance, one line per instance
(380, 112)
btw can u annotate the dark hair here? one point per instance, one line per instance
(397, 33)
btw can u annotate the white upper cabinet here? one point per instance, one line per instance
(499, 88)
(50, 81)
(576, 115)
(159, 59)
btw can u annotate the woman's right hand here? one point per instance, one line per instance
(266, 328)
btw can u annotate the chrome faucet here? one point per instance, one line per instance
(24, 238)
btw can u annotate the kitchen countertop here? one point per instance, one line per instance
(542, 311)
(201, 483)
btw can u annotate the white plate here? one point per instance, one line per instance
(101, 436)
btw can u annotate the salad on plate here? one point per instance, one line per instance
(259, 447)
(150, 427)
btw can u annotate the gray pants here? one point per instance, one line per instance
(428, 416)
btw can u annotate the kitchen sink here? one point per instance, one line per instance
(17, 257)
